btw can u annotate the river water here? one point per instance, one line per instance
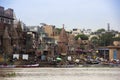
(62, 73)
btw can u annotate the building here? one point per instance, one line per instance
(63, 42)
(44, 43)
(11, 36)
(114, 51)
(76, 31)
(50, 30)
(86, 31)
(6, 30)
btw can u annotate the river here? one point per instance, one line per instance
(62, 73)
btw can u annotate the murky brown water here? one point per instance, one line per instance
(63, 74)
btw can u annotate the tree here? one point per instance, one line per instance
(95, 40)
(100, 30)
(58, 30)
(82, 36)
(116, 39)
(106, 39)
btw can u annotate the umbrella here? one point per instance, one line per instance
(59, 59)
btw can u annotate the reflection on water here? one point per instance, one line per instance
(63, 74)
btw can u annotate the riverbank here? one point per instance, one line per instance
(60, 66)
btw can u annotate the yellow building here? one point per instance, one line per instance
(51, 31)
(114, 51)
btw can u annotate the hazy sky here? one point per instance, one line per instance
(88, 14)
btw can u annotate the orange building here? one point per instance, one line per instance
(114, 51)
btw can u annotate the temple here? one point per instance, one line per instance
(63, 42)
(10, 36)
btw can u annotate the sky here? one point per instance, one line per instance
(81, 14)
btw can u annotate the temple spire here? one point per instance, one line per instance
(7, 42)
(6, 35)
(63, 42)
(14, 33)
(63, 36)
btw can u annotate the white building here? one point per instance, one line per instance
(87, 31)
(33, 28)
(76, 31)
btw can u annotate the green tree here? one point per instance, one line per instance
(82, 36)
(95, 40)
(58, 30)
(116, 39)
(106, 39)
(100, 30)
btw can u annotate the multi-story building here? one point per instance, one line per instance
(11, 37)
(50, 30)
(76, 31)
(44, 44)
(6, 28)
(87, 31)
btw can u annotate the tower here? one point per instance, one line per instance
(108, 25)
(63, 42)
(20, 34)
(7, 42)
(6, 23)
(14, 36)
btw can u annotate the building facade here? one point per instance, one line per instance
(11, 37)
(50, 30)
(63, 42)
(6, 28)
(114, 51)
(76, 31)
